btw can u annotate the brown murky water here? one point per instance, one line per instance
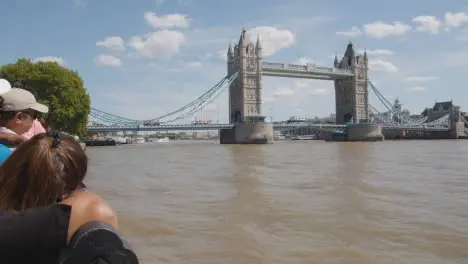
(290, 202)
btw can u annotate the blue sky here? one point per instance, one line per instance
(142, 58)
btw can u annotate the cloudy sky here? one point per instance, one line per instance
(143, 58)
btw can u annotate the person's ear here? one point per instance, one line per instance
(18, 116)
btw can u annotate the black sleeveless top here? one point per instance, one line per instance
(39, 235)
(34, 236)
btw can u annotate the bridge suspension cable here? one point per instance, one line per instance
(381, 97)
(209, 99)
(180, 113)
(392, 116)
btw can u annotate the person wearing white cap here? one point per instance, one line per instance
(18, 110)
(36, 127)
(7, 138)
(12, 137)
(5, 86)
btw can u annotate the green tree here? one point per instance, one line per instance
(55, 86)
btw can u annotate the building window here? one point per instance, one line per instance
(251, 80)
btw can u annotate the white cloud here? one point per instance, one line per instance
(456, 20)
(300, 84)
(382, 65)
(194, 64)
(107, 60)
(222, 55)
(320, 91)
(463, 35)
(159, 2)
(80, 3)
(429, 24)
(379, 52)
(303, 61)
(455, 59)
(284, 91)
(115, 43)
(183, 2)
(416, 89)
(272, 39)
(354, 32)
(380, 29)
(206, 56)
(58, 60)
(420, 78)
(146, 46)
(300, 87)
(167, 21)
(181, 66)
(161, 44)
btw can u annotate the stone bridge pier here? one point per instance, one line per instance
(357, 132)
(457, 126)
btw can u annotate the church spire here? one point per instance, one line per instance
(230, 52)
(258, 47)
(243, 40)
(350, 50)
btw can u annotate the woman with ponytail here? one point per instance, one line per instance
(50, 169)
(42, 171)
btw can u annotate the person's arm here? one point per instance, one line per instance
(10, 139)
(93, 235)
(44, 227)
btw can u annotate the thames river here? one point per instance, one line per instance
(198, 202)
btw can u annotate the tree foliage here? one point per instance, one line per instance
(55, 86)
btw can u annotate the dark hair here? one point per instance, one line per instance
(5, 116)
(41, 171)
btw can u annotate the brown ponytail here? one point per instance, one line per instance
(41, 171)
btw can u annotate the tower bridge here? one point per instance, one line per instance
(350, 76)
(244, 82)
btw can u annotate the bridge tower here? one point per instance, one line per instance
(245, 93)
(351, 95)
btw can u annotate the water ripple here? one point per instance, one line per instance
(301, 202)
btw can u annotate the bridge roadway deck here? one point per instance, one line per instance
(304, 71)
(221, 126)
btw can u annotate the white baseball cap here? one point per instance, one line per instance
(5, 86)
(18, 100)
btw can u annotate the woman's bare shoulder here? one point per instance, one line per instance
(89, 207)
(99, 209)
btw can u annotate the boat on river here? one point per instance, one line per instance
(306, 137)
(163, 140)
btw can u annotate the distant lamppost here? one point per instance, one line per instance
(271, 115)
(202, 113)
(217, 106)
